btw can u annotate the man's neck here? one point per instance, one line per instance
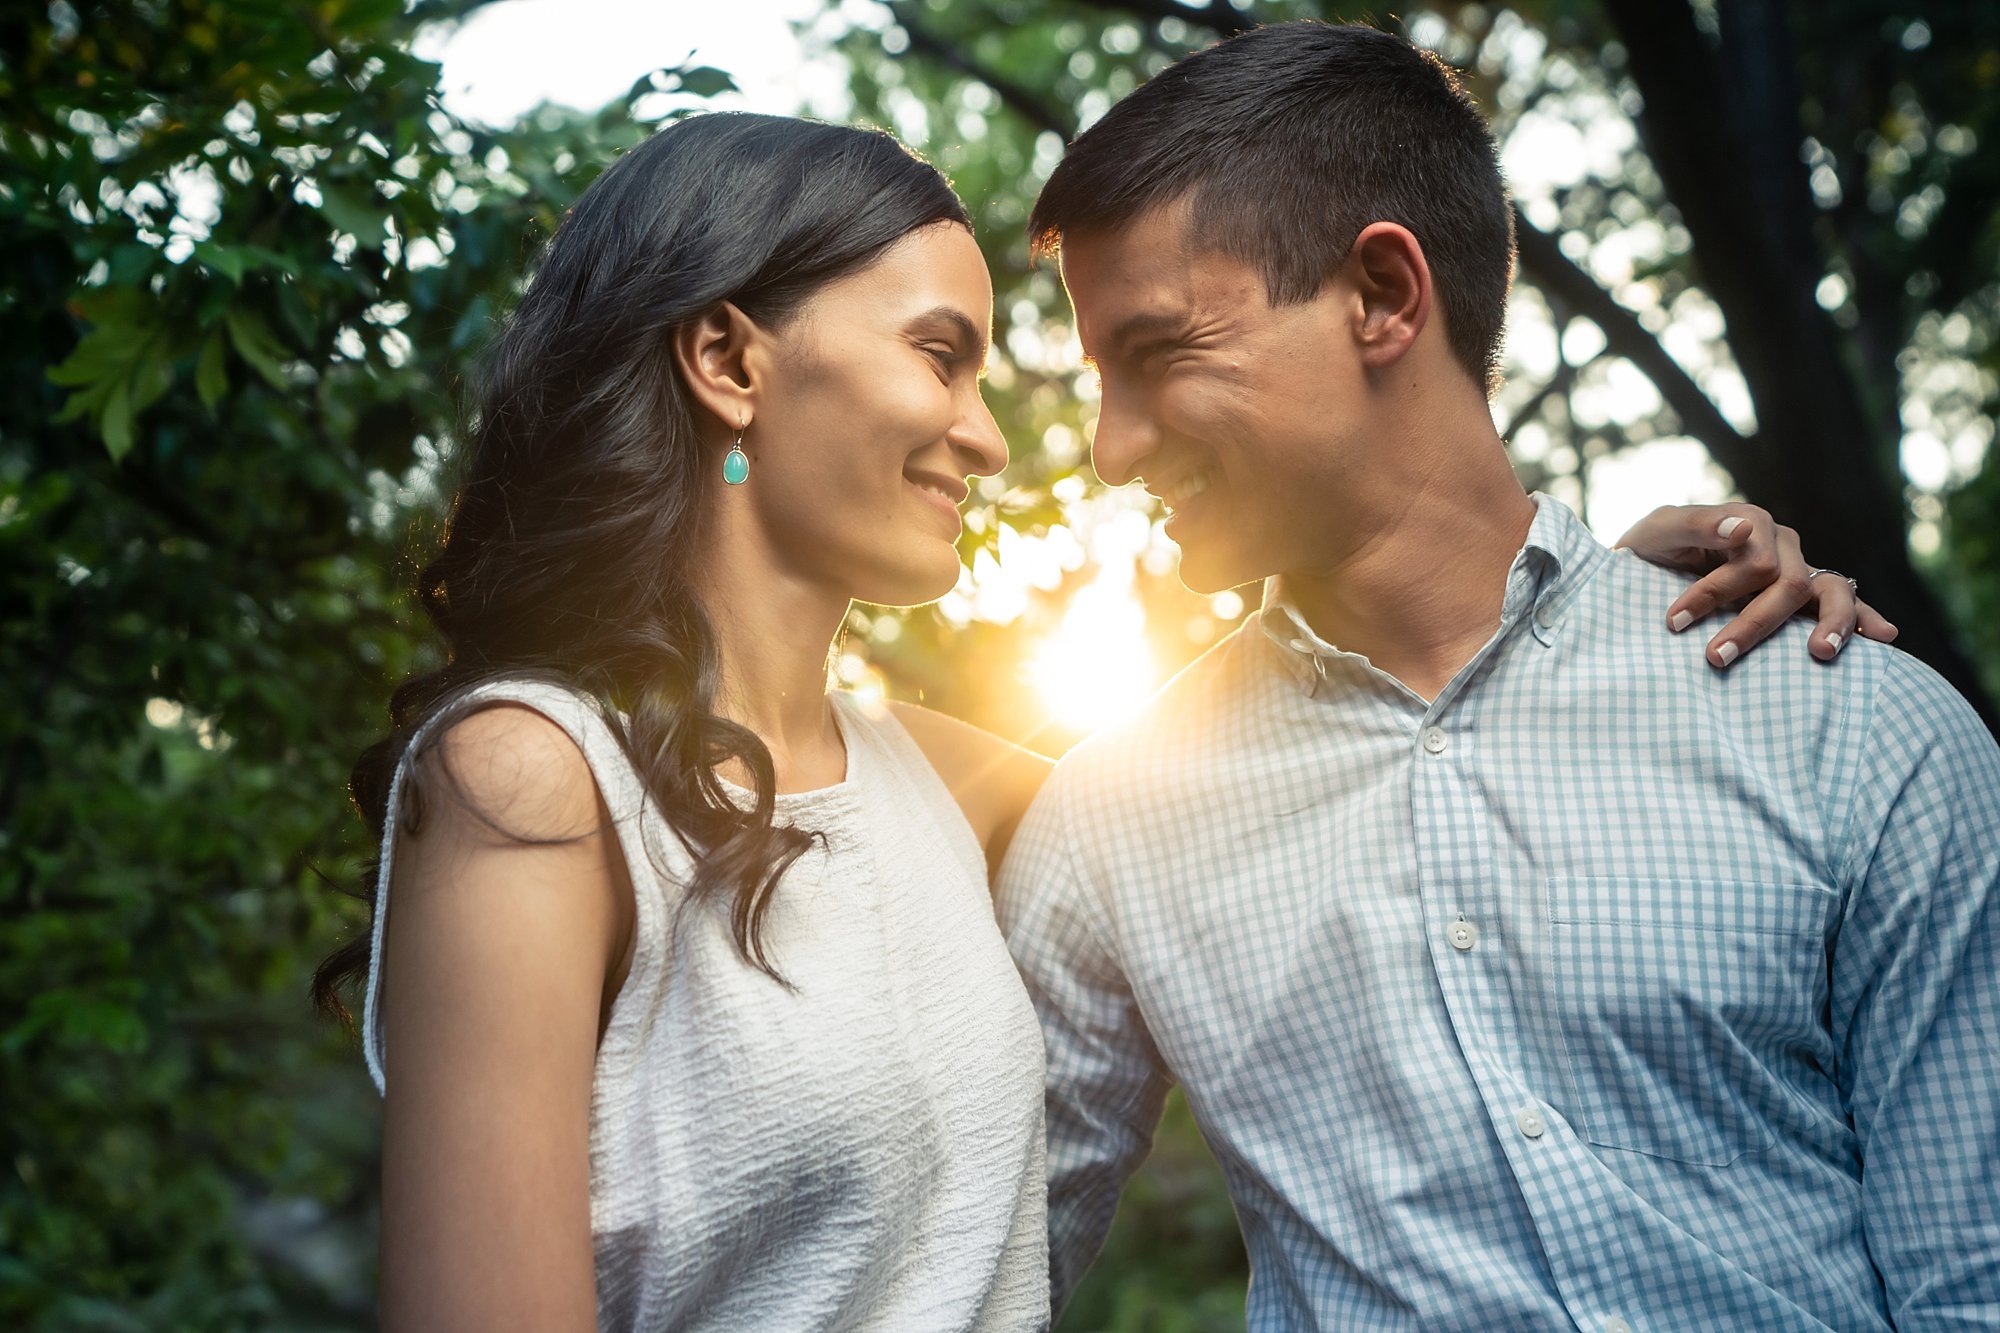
(1421, 592)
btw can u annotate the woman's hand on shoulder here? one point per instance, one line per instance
(1745, 555)
(991, 778)
(509, 915)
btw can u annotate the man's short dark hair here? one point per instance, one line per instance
(1291, 139)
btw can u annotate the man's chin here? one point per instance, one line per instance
(1208, 571)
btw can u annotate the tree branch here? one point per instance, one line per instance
(1558, 383)
(1542, 260)
(1025, 102)
(1950, 247)
(1217, 15)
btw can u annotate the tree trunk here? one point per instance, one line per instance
(1721, 124)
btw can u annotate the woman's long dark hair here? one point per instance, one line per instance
(579, 512)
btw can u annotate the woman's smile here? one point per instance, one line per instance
(939, 493)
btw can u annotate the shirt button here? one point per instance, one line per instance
(1434, 741)
(1532, 1126)
(1616, 1325)
(1463, 935)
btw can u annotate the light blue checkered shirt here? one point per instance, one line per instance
(1606, 991)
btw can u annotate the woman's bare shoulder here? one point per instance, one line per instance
(507, 912)
(517, 771)
(992, 778)
(509, 847)
(963, 752)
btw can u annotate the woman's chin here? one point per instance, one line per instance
(915, 583)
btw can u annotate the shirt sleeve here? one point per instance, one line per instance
(1916, 1001)
(1106, 1083)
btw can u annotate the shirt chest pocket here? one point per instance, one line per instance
(1690, 1011)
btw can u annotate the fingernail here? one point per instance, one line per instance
(1729, 525)
(1833, 641)
(1681, 620)
(1728, 652)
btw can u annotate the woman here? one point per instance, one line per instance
(700, 1015)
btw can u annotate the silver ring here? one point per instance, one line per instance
(1852, 586)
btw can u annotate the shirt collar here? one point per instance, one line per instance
(1549, 571)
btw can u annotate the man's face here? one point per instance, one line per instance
(1237, 414)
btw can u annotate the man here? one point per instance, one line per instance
(1522, 971)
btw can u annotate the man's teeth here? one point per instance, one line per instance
(1187, 490)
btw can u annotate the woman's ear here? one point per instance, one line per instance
(715, 355)
(1393, 280)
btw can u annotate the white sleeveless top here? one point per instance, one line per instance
(862, 1152)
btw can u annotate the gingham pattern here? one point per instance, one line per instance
(1725, 1043)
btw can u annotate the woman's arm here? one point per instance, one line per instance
(510, 916)
(991, 779)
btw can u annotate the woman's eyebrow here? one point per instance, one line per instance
(963, 327)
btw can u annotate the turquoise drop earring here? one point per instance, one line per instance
(736, 464)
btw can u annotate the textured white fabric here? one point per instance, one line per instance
(862, 1152)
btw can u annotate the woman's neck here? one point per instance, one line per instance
(773, 632)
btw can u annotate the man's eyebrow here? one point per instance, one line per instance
(1145, 325)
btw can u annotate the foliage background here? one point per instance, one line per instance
(246, 251)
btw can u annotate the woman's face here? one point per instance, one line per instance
(870, 423)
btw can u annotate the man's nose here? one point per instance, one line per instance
(1126, 436)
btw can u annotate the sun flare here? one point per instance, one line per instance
(1097, 667)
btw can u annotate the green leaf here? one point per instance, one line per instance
(130, 265)
(116, 422)
(107, 1023)
(107, 349)
(211, 373)
(118, 368)
(152, 371)
(84, 402)
(706, 80)
(89, 363)
(267, 258)
(701, 80)
(352, 208)
(254, 343)
(472, 325)
(227, 260)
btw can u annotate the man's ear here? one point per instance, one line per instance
(717, 355)
(1393, 281)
